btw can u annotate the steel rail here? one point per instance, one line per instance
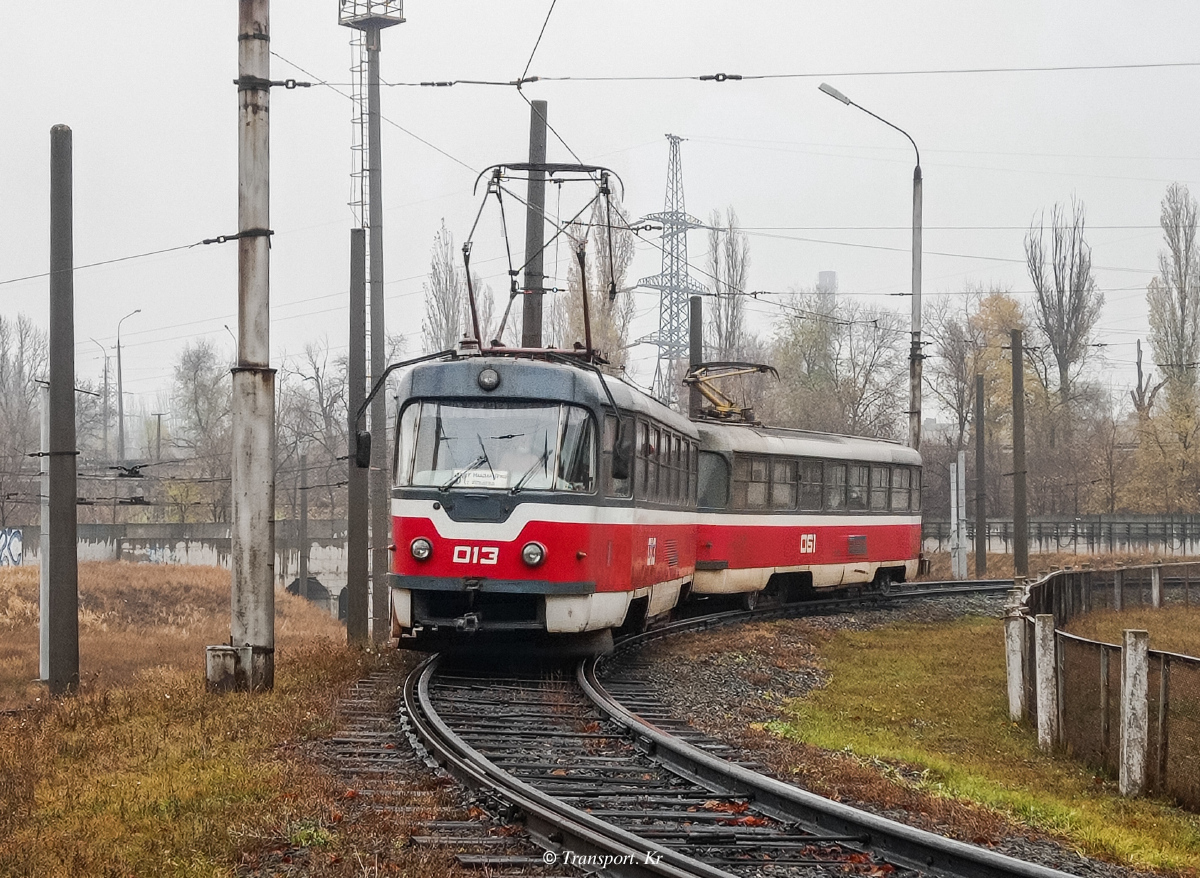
(553, 824)
(897, 842)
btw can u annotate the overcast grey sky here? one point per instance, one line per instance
(147, 89)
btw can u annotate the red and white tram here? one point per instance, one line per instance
(537, 500)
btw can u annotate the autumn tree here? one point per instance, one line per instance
(1067, 304)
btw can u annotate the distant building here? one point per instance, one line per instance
(827, 286)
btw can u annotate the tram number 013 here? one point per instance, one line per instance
(476, 554)
(808, 544)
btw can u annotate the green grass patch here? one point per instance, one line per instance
(929, 702)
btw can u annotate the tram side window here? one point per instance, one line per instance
(835, 486)
(858, 479)
(641, 469)
(916, 490)
(714, 481)
(901, 488)
(756, 491)
(810, 485)
(693, 463)
(654, 456)
(613, 487)
(783, 484)
(880, 481)
(678, 471)
(666, 491)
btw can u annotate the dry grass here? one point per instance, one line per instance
(1001, 566)
(1172, 629)
(145, 773)
(134, 619)
(934, 721)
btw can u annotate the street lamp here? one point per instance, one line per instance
(121, 391)
(915, 357)
(104, 352)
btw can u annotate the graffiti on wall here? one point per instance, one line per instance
(12, 547)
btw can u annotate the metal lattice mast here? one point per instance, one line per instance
(673, 281)
(360, 167)
(370, 18)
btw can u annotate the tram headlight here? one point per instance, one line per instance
(421, 548)
(533, 554)
(489, 379)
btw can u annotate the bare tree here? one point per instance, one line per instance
(23, 360)
(1173, 299)
(445, 295)
(1068, 303)
(1143, 394)
(957, 340)
(201, 408)
(840, 368)
(728, 267)
(608, 252)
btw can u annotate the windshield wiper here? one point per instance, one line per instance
(454, 480)
(483, 448)
(541, 461)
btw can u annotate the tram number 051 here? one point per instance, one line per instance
(476, 554)
(808, 544)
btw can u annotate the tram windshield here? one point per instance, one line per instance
(496, 445)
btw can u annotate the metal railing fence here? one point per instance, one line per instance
(1095, 698)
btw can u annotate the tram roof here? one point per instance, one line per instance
(530, 378)
(752, 439)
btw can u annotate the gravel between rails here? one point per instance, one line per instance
(723, 693)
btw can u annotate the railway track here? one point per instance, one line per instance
(604, 780)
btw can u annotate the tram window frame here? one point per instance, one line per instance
(693, 472)
(916, 490)
(880, 486)
(654, 463)
(613, 487)
(641, 463)
(717, 480)
(810, 494)
(784, 485)
(858, 484)
(901, 495)
(835, 486)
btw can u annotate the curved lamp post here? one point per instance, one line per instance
(121, 391)
(915, 357)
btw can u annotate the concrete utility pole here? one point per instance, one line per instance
(44, 537)
(1020, 503)
(695, 351)
(958, 512)
(981, 540)
(121, 391)
(248, 663)
(535, 218)
(158, 434)
(357, 572)
(61, 608)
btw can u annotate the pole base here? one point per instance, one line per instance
(239, 668)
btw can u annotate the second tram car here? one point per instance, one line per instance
(536, 499)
